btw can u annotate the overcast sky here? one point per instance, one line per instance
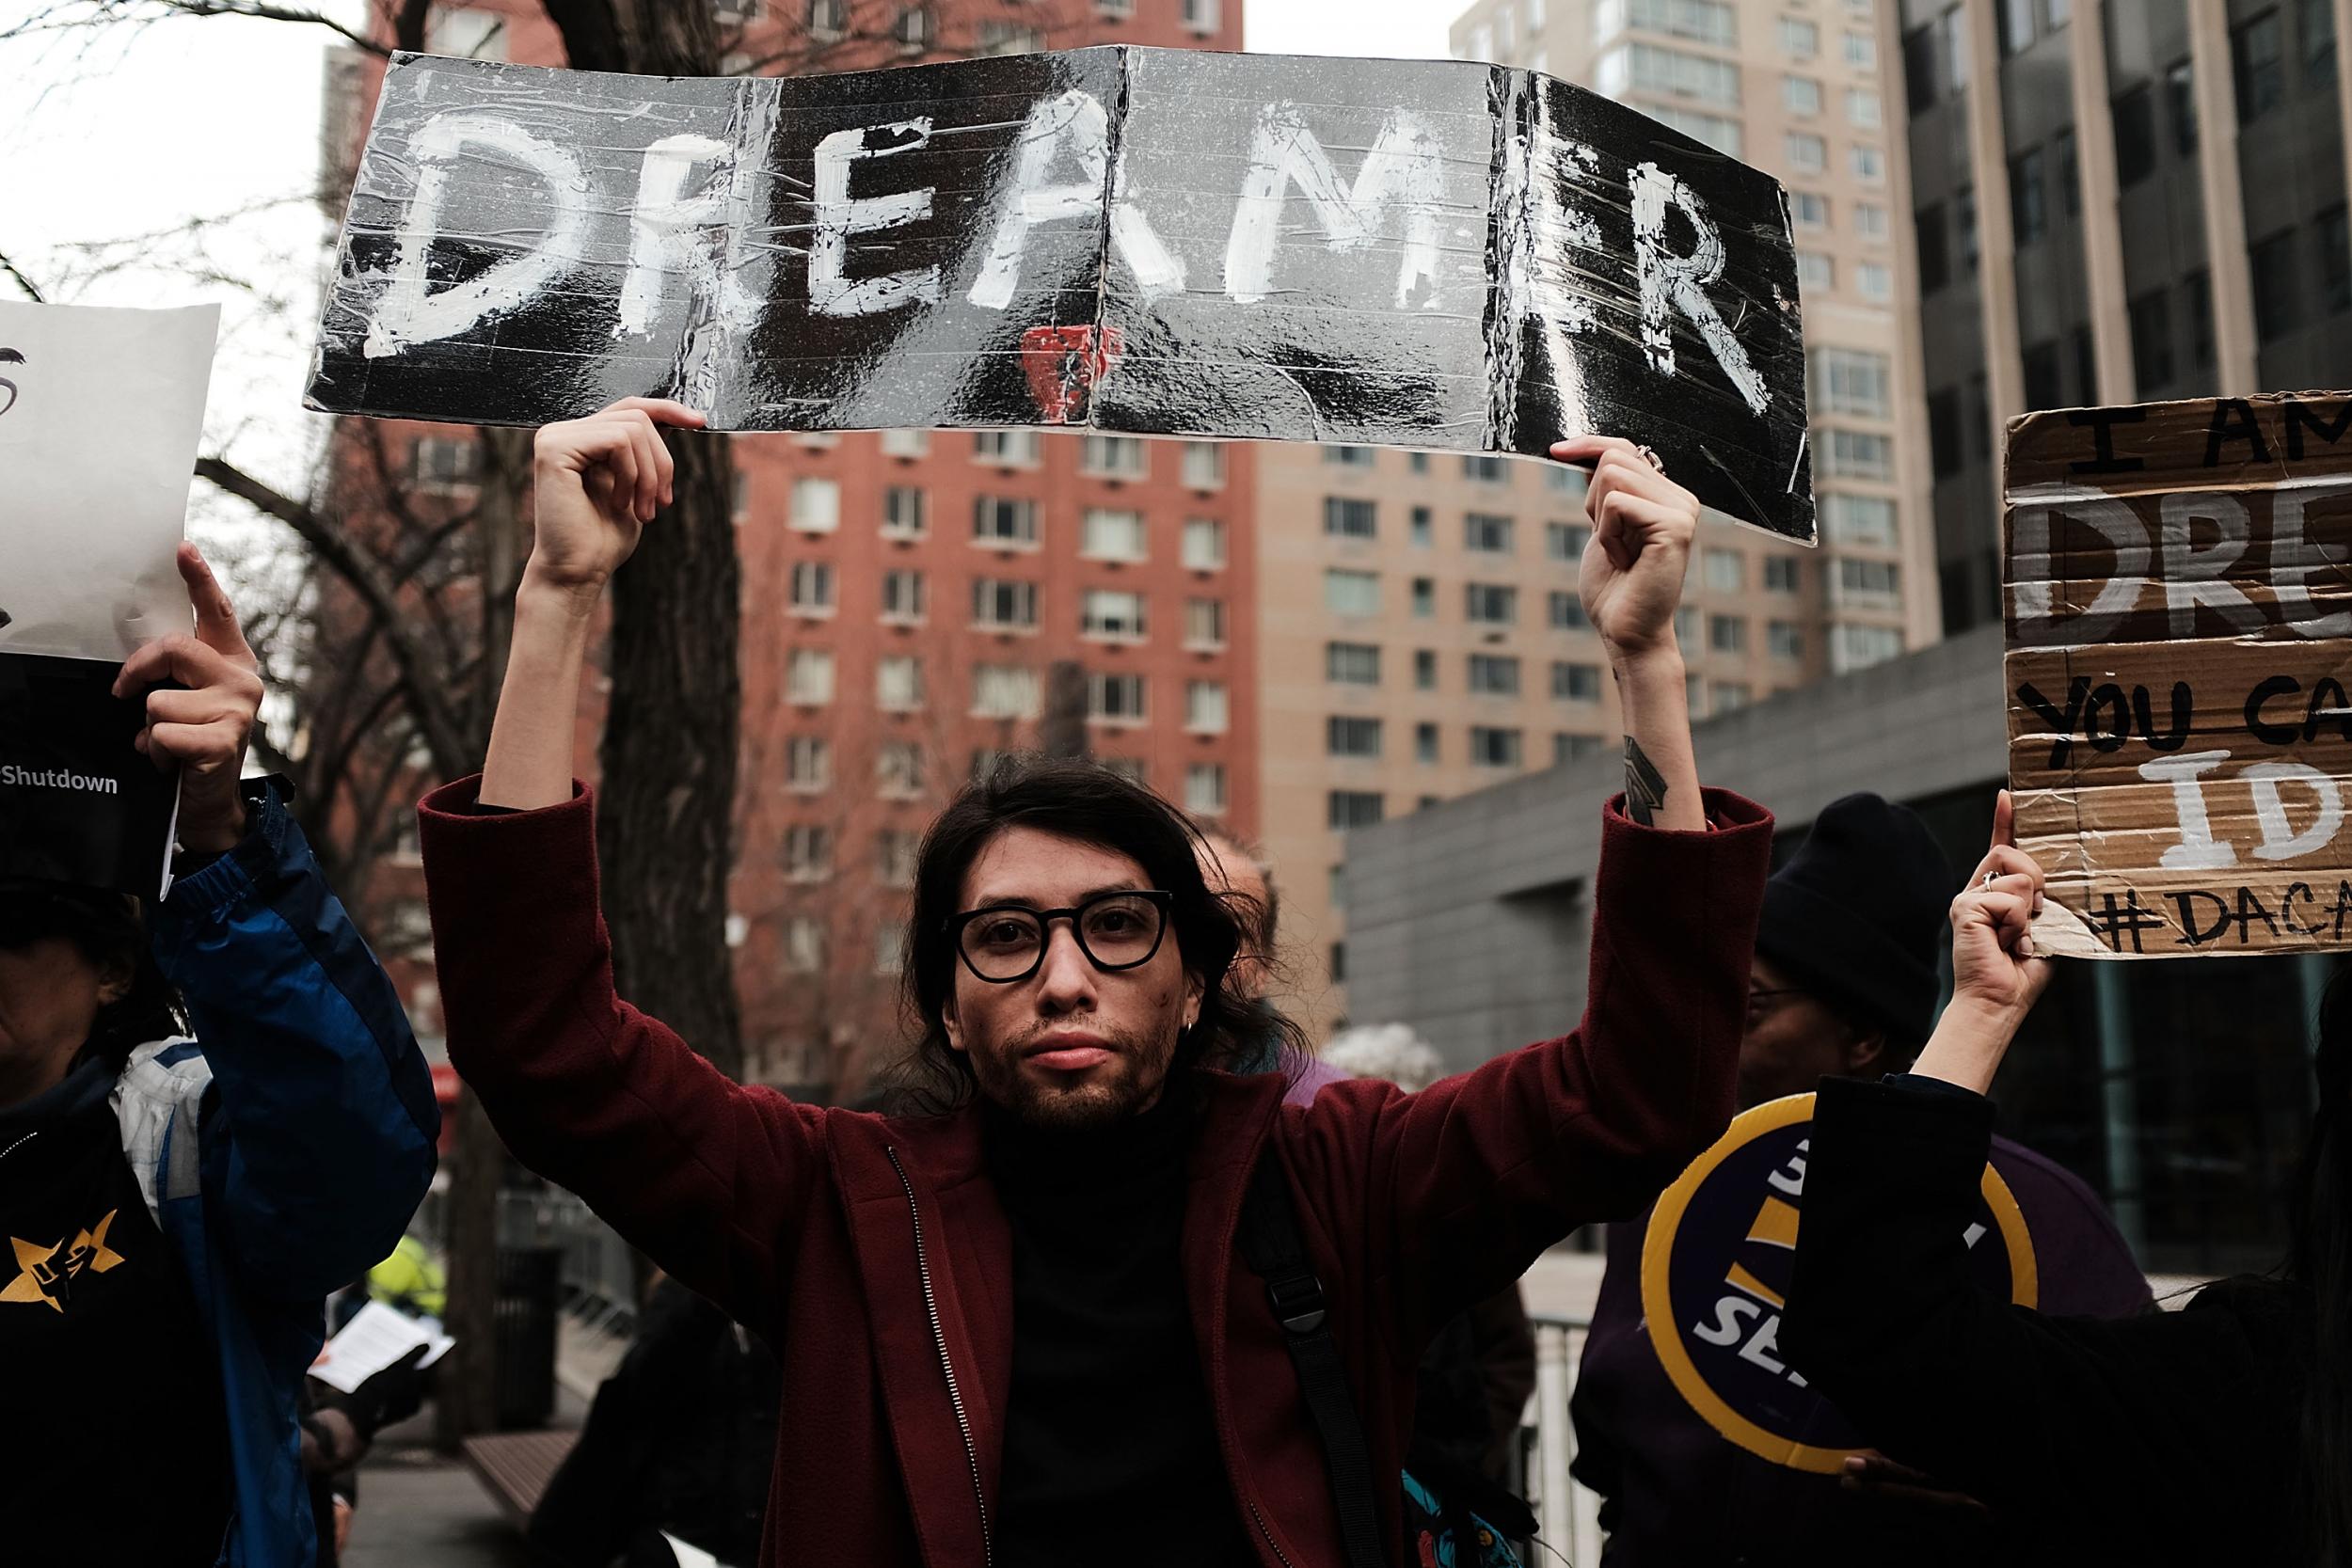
(196, 119)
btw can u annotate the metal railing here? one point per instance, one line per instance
(1567, 1515)
(599, 1274)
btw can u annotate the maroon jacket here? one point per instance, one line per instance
(872, 1254)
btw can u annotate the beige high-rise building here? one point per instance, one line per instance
(1419, 629)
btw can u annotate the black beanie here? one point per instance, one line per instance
(1856, 916)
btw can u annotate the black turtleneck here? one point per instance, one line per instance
(1110, 1451)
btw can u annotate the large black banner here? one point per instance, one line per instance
(1154, 241)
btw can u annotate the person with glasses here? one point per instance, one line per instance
(1017, 1324)
(1844, 985)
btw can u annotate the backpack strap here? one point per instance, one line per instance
(1271, 1244)
(156, 1104)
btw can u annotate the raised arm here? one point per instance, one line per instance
(1483, 1171)
(703, 1174)
(317, 1142)
(1884, 1315)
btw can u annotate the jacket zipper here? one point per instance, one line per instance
(20, 1143)
(1259, 1519)
(939, 1338)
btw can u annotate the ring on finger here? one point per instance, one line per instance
(1650, 457)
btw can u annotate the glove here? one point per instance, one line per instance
(391, 1394)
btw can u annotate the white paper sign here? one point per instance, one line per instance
(375, 1339)
(101, 411)
(688, 1556)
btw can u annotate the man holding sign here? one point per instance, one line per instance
(1036, 1328)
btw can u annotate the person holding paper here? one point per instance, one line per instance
(2221, 1432)
(212, 1114)
(1035, 1326)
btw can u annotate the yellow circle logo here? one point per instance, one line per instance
(1715, 1271)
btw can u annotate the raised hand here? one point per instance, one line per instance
(1994, 966)
(200, 723)
(597, 482)
(1643, 525)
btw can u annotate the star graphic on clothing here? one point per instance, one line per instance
(46, 1272)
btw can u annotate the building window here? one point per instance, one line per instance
(1352, 808)
(805, 944)
(1876, 281)
(1347, 736)
(1566, 541)
(812, 588)
(2151, 341)
(1935, 263)
(1801, 95)
(1424, 598)
(1493, 747)
(1567, 749)
(1494, 675)
(1002, 604)
(808, 677)
(1115, 699)
(1575, 683)
(906, 513)
(1205, 793)
(1727, 634)
(1488, 534)
(2258, 54)
(1809, 209)
(1564, 610)
(1205, 466)
(2277, 311)
(2330, 233)
(2134, 117)
(1425, 744)
(1204, 545)
(906, 443)
(1205, 707)
(2197, 295)
(1863, 110)
(1347, 519)
(903, 596)
(1862, 50)
(1948, 452)
(1013, 449)
(1869, 220)
(1004, 691)
(1867, 163)
(898, 683)
(898, 770)
(1858, 520)
(1111, 612)
(1965, 220)
(815, 505)
(1107, 534)
(1705, 20)
(1919, 70)
(1856, 454)
(2043, 387)
(1114, 457)
(2029, 202)
(1489, 604)
(1855, 647)
(1815, 272)
(2013, 21)
(1784, 639)
(1848, 381)
(1346, 593)
(896, 852)
(1425, 670)
(1806, 153)
(1004, 521)
(1485, 469)
(1799, 40)
(1350, 457)
(1857, 577)
(1731, 696)
(439, 464)
(890, 936)
(1352, 664)
(1722, 571)
(1780, 574)
(1200, 16)
(1204, 623)
(2315, 28)
(1420, 530)
(808, 764)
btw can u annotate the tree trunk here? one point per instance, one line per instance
(465, 1392)
(669, 760)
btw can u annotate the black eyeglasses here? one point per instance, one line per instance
(1004, 943)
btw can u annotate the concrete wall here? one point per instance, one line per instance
(1470, 920)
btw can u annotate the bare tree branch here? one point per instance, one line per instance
(21, 281)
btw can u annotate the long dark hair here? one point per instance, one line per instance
(1087, 802)
(2321, 1266)
(107, 928)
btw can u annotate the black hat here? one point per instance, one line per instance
(1856, 916)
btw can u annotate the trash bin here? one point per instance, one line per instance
(531, 1293)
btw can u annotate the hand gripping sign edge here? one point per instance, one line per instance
(1665, 1323)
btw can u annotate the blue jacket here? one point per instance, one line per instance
(286, 1151)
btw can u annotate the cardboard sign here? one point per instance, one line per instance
(2180, 623)
(100, 414)
(1154, 242)
(1715, 1270)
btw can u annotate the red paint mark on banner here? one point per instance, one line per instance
(1064, 363)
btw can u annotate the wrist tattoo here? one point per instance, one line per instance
(1645, 787)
